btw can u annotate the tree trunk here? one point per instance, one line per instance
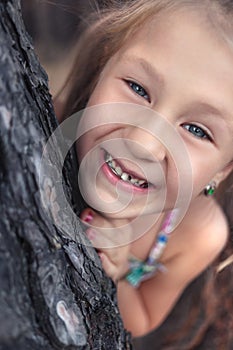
(53, 294)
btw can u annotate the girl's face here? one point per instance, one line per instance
(179, 71)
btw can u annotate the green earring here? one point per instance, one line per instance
(210, 189)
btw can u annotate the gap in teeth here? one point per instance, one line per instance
(116, 169)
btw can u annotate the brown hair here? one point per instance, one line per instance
(108, 30)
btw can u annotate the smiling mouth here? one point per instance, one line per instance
(123, 175)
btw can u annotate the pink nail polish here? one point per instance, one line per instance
(88, 217)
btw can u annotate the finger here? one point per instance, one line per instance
(111, 233)
(95, 224)
(86, 215)
(100, 240)
(108, 266)
(100, 231)
(91, 217)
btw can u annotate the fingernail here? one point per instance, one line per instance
(91, 234)
(101, 256)
(88, 217)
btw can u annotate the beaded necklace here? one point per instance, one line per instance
(142, 270)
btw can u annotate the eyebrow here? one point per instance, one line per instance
(147, 67)
(206, 107)
(217, 112)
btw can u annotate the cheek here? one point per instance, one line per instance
(84, 145)
(203, 175)
(101, 93)
(89, 141)
(94, 99)
(205, 161)
(109, 89)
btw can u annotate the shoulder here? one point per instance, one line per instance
(205, 232)
(208, 227)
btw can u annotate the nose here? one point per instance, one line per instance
(144, 144)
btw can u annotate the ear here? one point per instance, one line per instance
(222, 175)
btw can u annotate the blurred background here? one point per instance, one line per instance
(54, 26)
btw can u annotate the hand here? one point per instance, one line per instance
(111, 241)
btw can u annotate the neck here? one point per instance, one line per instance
(149, 225)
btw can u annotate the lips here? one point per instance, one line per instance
(123, 174)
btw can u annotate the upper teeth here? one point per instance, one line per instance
(123, 175)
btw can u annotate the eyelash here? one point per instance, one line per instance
(138, 89)
(204, 134)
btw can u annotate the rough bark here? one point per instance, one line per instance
(53, 293)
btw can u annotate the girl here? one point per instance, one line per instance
(158, 77)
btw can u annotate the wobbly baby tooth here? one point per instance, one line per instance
(118, 170)
(133, 181)
(124, 176)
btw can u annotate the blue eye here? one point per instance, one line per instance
(197, 131)
(139, 90)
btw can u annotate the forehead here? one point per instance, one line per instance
(186, 35)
